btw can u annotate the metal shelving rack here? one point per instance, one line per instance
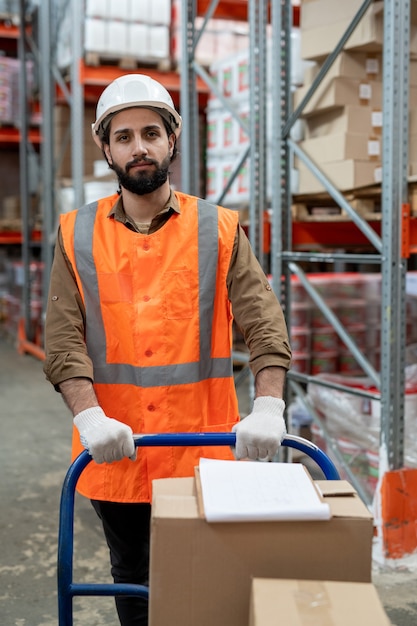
(25, 50)
(33, 172)
(38, 27)
(388, 247)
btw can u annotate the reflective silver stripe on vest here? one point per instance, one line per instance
(156, 376)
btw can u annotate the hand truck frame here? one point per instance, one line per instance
(67, 589)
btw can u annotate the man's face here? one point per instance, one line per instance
(139, 150)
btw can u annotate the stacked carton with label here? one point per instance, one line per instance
(412, 144)
(10, 70)
(150, 32)
(227, 138)
(343, 118)
(125, 31)
(355, 298)
(128, 29)
(222, 37)
(11, 294)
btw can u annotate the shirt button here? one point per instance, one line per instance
(151, 407)
(146, 245)
(146, 298)
(148, 353)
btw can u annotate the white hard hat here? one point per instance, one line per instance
(134, 90)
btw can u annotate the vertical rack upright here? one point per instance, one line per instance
(42, 44)
(390, 380)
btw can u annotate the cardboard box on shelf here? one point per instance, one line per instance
(412, 71)
(325, 12)
(412, 198)
(339, 92)
(324, 22)
(412, 171)
(62, 126)
(309, 602)
(345, 175)
(347, 119)
(343, 146)
(412, 122)
(319, 40)
(349, 65)
(412, 147)
(11, 208)
(201, 573)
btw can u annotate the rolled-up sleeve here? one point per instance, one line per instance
(256, 309)
(65, 348)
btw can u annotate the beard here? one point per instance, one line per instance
(142, 183)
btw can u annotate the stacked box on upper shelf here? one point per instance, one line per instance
(62, 123)
(228, 128)
(343, 118)
(9, 88)
(343, 123)
(323, 22)
(221, 38)
(11, 294)
(127, 31)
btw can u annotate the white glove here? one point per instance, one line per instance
(105, 438)
(259, 434)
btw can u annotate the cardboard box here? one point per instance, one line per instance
(412, 148)
(412, 122)
(348, 119)
(62, 122)
(12, 205)
(323, 22)
(339, 92)
(201, 573)
(325, 12)
(319, 40)
(345, 176)
(412, 170)
(412, 198)
(343, 146)
(362, 65)
(315, 603)
(412, 72)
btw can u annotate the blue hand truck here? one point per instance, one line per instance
(67, 589)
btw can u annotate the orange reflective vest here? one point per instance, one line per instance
(159, 333)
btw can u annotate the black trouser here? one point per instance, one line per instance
(127, 528)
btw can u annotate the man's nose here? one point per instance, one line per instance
(139, 146)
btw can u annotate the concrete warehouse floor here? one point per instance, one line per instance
(34, 456)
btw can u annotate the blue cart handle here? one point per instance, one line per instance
(207, 439)
(229, 439)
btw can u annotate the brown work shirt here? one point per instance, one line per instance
(256, 309)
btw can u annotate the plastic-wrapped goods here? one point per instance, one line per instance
(353, 421)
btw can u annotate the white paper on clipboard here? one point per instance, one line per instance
(234, 491)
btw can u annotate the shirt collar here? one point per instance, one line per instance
(118, 213)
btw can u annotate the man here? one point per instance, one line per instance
(144, 288)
